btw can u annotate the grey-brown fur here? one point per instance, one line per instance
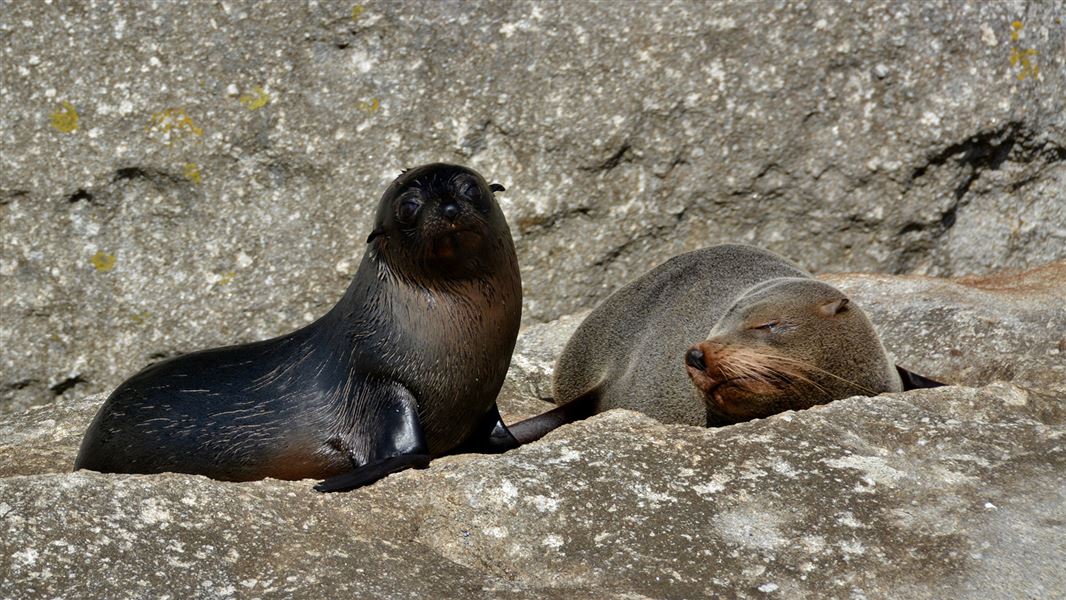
(630, 351)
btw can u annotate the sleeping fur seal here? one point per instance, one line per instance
(774, 339)
(405, 367)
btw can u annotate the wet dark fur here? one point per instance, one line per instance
(407, 364)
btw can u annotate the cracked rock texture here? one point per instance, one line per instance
(177, 176)
(955, 492)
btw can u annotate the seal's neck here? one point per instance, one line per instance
(403, 303)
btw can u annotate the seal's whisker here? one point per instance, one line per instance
(751, 366)
(810, 367)
(772, 368)
(741, 366)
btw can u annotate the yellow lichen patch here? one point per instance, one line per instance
(140, 317)
(173, 122)
(103, 261)
(227, 277)
(369, 107)
(1025, 58)
(192, 172)
(257, 100)
(65, 118)
(1028, 64)
(357, 11)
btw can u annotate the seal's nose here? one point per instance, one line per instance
(450, 211)
(694, 359)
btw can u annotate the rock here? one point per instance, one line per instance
(528, 383)
(1008, 327)
(972, 330)
(178, 176)
(952, 492)
(45, 439)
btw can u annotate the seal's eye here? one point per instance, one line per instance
(768, 327)
(408, 209)
(469, 190)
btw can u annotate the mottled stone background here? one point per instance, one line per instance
(178, 175)
(182, 175)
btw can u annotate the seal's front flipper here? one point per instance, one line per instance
(534, 428)
(914, 381)
(396, 440)
(368, 474)
(490, 437)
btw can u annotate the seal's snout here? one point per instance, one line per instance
(450, 211)
(694, 359)
(701, 364)
(704, 364)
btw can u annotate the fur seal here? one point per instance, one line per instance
(404, 368)
(775, 339)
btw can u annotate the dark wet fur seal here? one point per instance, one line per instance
(404, 368)
(775, 339)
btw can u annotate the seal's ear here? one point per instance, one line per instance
(914, 381)
(497, 187)
(834, 307)
(374, 234)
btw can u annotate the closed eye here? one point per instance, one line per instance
(469, 189)
(775, 326)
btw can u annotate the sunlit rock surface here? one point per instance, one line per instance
(181, 175)
(954, 492)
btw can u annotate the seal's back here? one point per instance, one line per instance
(629, 352)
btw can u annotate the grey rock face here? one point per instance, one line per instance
(972, 330)
(216, 183)
(953, 492)
(529, 380)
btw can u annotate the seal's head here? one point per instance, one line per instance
(787, 344)
(442, 220)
